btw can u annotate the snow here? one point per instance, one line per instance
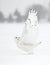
(10, 54)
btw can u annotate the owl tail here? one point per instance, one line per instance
(38, 43)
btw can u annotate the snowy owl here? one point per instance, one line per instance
(29, 37)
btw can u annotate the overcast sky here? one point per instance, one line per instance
(9, 6)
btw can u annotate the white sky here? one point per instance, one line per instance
(9, 6)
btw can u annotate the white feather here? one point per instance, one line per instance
(28, 40)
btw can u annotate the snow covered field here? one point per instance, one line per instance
(10, 54)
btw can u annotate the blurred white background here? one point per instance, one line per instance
(9, 53)
(9, 6)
